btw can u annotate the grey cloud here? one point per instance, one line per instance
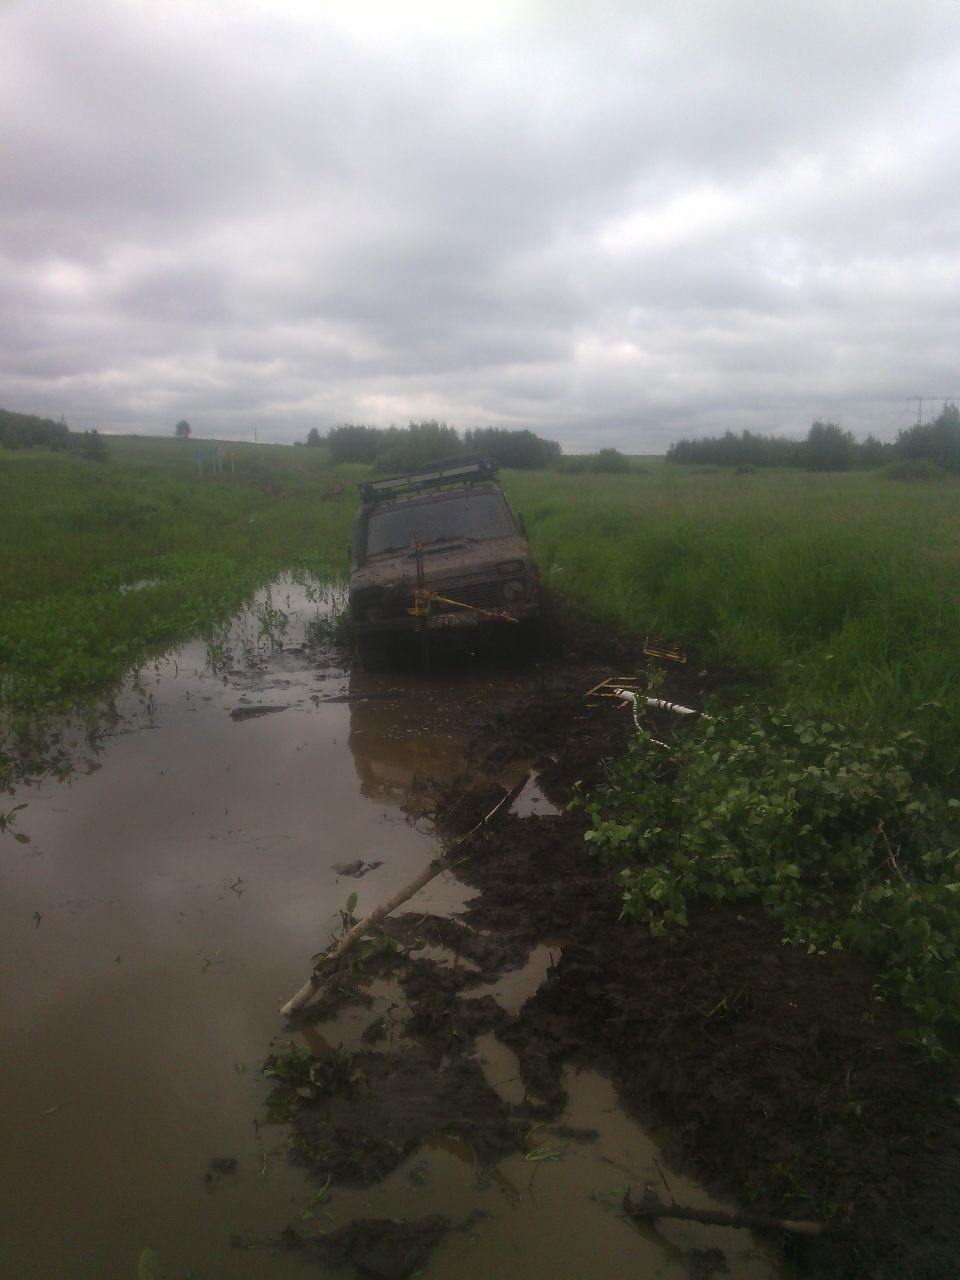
(619, 226)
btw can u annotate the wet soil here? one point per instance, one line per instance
(771, 1076)
(484, 1069)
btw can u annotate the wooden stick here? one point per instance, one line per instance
(652, 1207)
(444, 863)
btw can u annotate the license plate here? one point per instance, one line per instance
(452, 620)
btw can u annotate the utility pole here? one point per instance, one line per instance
(920, 400)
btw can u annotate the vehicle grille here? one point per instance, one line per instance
(482, 595)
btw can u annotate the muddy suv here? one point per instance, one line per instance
(438, 560)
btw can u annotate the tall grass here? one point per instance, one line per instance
(76, 536)
(838, 591)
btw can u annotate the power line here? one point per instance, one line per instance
(920, 400)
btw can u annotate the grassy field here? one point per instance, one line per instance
(840, 592)
(836, 596)
(77, 535)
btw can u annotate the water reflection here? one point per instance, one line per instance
(180, 876)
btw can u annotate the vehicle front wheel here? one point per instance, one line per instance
(543, 637)
(372, 652)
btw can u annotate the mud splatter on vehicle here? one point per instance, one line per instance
(438, 558)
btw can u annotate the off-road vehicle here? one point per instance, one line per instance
(438, 560)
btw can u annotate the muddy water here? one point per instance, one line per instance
(169, 900)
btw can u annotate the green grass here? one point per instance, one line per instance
(838, 595)
(839, 592)
(76, 535)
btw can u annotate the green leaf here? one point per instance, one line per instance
(148, 1266)
(351, 904)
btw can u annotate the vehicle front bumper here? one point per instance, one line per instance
(450, 619)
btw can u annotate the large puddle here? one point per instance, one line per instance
(170, 899)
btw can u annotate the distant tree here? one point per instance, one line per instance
(937, 441)
(513, 448)
(25, 431)
(572, 464)
(873, 453)
(402, 448)
(732, 450)
(313, 437)
(604, 460)
(828, 448)
(352, 442)
(93, 447)
(418, 444)
(182, 430)
(609, 460)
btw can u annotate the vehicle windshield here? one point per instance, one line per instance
(465, 516)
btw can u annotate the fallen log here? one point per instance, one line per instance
(446, 862)
(652, 1207)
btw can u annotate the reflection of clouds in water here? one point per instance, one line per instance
(202, 798)
(402, 737)
(147, 975)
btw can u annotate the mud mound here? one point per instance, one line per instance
(394, 1101)
(378, 1248)
(771, 1075)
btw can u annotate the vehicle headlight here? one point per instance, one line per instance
(513, 591)
(363, 601)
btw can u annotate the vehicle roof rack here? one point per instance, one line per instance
(463, 469)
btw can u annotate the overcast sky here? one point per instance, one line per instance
(613, 223)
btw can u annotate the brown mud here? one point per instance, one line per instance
(770, 1076)
(477, 1080)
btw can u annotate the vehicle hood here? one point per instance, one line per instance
(449, 563)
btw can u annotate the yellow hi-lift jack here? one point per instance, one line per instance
(423, 601)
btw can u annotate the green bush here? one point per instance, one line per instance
(609, 461)
(838, 837)
(572, 464)
(913, 469)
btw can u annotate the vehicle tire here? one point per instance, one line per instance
(546, 632)
(372, 652)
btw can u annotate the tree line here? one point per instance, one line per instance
(405, 448)
(828, 447)
(27, 431)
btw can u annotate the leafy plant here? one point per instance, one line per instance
(329, 628)
(304, 1080)
(8, 821)
(148, 1265)
(839, 838)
